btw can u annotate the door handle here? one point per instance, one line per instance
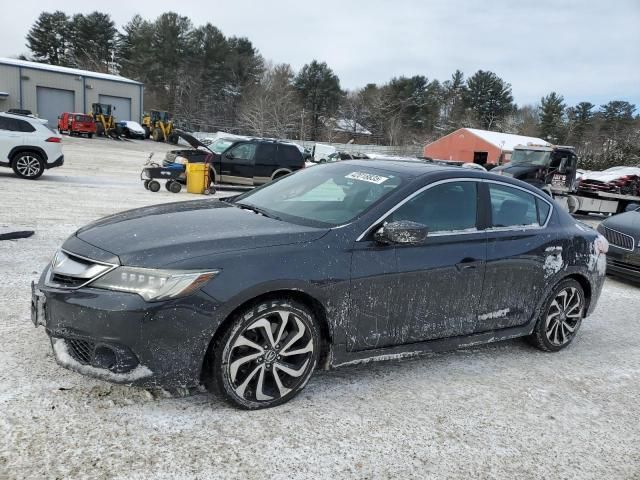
(468, 264)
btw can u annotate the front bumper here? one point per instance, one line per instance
(121, 338)
(57, 163)
(624, 263)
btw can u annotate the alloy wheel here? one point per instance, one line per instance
(563, 316)
(28, 166)
(271, 357)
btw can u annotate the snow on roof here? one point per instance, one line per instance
(67, 70)
(506, 141)
(347, 125)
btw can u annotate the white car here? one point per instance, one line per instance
(28, 146)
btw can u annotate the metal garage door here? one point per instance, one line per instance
(51, 102)
(122, 104)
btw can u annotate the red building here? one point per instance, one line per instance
(478, 146)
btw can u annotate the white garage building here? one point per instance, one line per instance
(49, 90)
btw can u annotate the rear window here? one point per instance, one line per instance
(512, 207)
(289, 154)
(15, 125)
(83, 118)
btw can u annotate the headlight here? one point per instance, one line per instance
(153, 284)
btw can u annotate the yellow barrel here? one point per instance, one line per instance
(196, 177)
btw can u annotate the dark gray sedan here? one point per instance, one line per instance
(335, 264)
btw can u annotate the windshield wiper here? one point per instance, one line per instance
(255, 209)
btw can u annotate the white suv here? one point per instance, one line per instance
(28, 146)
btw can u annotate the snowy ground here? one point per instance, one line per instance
(503, 411)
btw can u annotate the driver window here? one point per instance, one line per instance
(451, 206)
(243, 151)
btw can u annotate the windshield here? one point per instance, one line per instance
(530, 157)
(220, 145)
(327, 195)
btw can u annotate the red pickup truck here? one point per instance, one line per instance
(76, 123)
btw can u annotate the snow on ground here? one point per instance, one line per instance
(502, 411)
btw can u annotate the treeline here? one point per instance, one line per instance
(213, 82)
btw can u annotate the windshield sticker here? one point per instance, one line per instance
(367, 177)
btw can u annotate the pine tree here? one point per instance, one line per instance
(48, 39)
(320, 93)
(94, 42)
(489, 98)
(552, 126)
(579, 121)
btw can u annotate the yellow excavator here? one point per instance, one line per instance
(105, 121)
(157, 124)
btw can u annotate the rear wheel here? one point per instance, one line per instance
(175, 187)
(157, 135)
(90, 135)
(561, 318)
(154, 185)
(267, 354)
(146, 184)
(147, 132)
(29, 165)
(173, 139)
(99, 129)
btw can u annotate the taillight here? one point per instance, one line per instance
(54, 140)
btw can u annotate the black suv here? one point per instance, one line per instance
(252, 161)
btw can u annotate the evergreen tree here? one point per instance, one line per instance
(617, 117)
(320, 93)
(579, 121)
(94, 42)
(453, 108)
(552, 127)
(489, 98)
(48, 39)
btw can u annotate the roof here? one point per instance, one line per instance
(66, 70)
(505, 141)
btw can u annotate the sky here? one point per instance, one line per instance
(586, 50)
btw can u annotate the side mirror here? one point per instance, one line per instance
(402, 232)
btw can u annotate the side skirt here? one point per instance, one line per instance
(341, 357)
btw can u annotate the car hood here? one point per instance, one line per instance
(628, 223)
(190, 139)
(160, 235)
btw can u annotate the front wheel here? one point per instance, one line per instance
(267, 355)
(561, 317)
(28, 165)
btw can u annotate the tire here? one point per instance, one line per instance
(247, 366)
(29, 165)
(154, 186)
(99, 129)
(90, 135)
(157, 135)
(146, 184)
(147, 132)
(174, 187)
(173, 139)
(561, 317)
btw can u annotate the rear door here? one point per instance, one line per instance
(520, 256)
(265, 159)
(10, 136)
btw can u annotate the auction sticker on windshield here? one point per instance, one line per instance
(367, 177)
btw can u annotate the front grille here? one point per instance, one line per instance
(81, 350)
(619, 239)
(67, 281)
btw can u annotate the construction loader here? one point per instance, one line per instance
(158, 125)
(105, 121)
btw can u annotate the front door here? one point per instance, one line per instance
(237, 164)
(404, 294)
(521, 256)
(480, 157)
